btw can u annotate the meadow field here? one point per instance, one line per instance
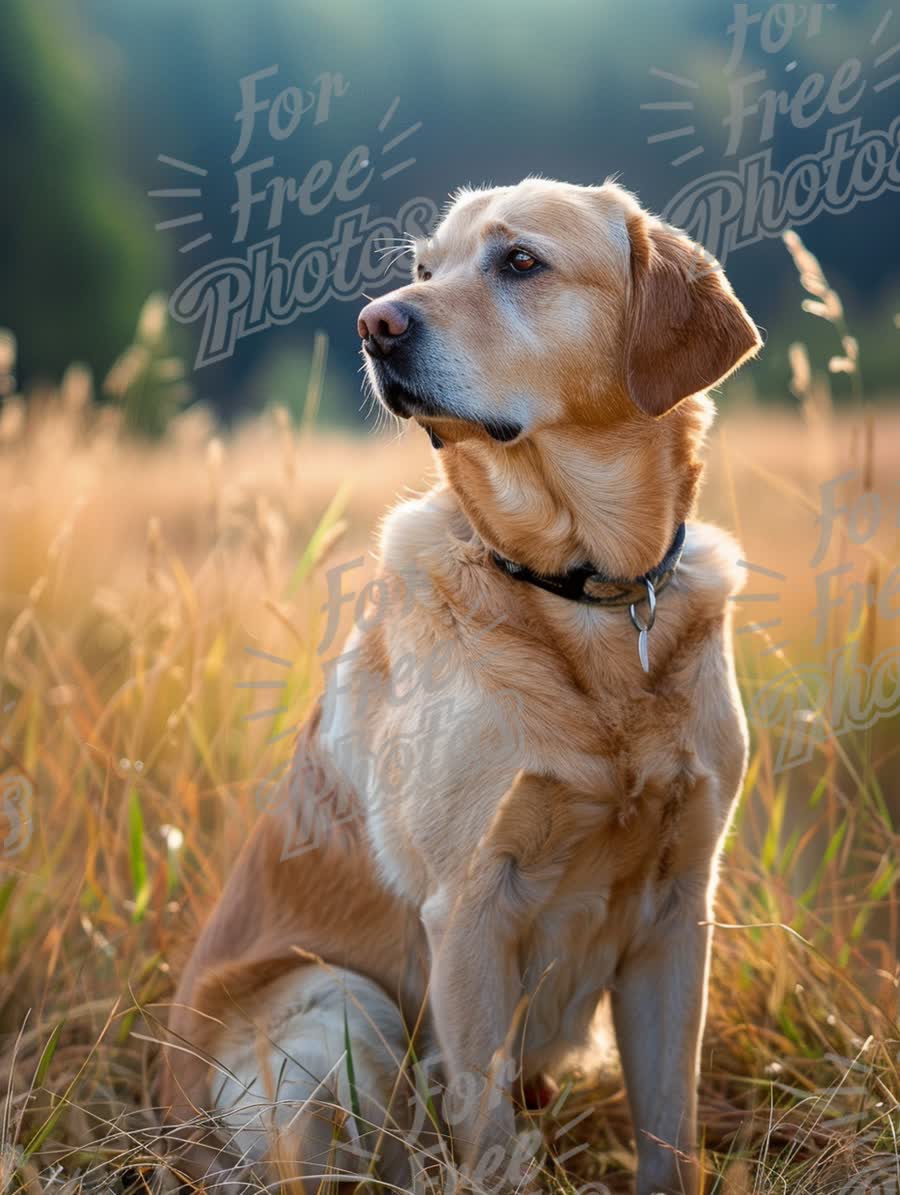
(144, 584)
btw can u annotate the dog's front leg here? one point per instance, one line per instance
(659, 1006)
(475, 988)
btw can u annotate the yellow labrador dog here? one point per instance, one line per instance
(549, 645)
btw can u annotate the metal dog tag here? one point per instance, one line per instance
(643, 653)
(643, 629)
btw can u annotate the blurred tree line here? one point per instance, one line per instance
(94, 92)
(76, 261)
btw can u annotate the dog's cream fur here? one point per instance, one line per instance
(548, 825)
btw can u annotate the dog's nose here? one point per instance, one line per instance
(382, 323)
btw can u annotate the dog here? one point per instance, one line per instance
(572, 756)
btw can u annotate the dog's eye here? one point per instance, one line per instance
(521, 261)
(422, 274)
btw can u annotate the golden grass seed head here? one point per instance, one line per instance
(801, 373)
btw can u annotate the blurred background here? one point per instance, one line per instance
(94, 92)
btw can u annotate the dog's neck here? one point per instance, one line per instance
(608, 496)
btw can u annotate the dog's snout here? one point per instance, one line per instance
(382, 323)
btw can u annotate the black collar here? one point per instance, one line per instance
(585, 583)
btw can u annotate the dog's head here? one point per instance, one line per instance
(548, 304)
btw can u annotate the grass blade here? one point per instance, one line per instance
(140, 883)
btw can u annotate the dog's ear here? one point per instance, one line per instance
(687, 328)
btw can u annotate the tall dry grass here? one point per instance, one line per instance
(143, 588)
